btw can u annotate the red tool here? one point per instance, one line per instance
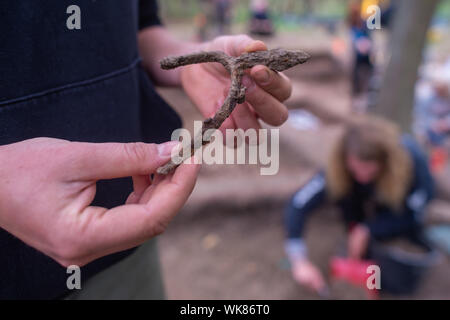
(354, 272)
(438, 159)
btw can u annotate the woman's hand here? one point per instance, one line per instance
(207, 86)
(358, 241)
(307, 274)
(47, 186)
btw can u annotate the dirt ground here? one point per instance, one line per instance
(238, 254)
(227, 243)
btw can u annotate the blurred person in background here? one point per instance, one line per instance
(362, 48)
(378, 179)
(387, 8)
(432, 109)
(201, 20)
(260, 23)
(223, 15)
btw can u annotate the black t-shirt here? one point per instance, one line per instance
(83, 85)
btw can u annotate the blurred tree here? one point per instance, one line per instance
(408, 39)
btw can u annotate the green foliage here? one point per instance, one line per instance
(187, 9)
(443, 11)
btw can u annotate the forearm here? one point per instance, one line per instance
(295, 249)
(294, 245)
(305, 201)
(156, 43)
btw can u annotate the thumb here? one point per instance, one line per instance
(117, 160)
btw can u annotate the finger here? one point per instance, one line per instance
(140, 184)
(102, 232)
(268, 108)
(229, 122)
(256, 45)
(275, 83)
(239, 44)
(116, 160)
(244, 118)
(180, 182)
(146, 194)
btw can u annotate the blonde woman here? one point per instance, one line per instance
(378, 179)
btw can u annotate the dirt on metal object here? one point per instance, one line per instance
(276, 59)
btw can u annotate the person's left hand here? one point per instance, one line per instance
(208, 84)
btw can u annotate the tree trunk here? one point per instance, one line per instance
(410, 26)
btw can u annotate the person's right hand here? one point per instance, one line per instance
(47, 186)
(307, 274)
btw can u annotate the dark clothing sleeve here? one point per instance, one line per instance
(148, 14)
(304, 201)
(389, 224)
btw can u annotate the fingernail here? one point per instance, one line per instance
(262, 76)
(165, 149)
(248, 82)
(248, 47)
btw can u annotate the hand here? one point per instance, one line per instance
(358, 241)
(48, 185)
(307, 274)
(207, 86)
